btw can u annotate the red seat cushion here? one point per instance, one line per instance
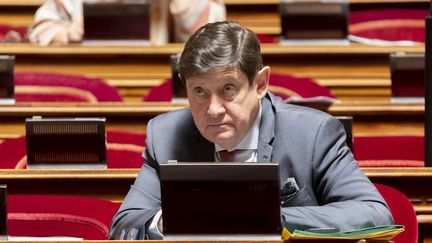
(389, 151)
(48, 215)
(402, 211)
(49, 87)
(389, 24)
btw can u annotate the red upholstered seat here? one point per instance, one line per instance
(52, 215)
(287, 86)
(124, 150)
(160, 93)
(389, 24)
(49, 87)
(280, 84)
(389, 151)
(402, 211)
(383, 24)
(12, 152)
(267, 38)
(4, 29)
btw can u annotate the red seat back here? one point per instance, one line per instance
(51, 87)
(402, 211)
(389, 24)
(4, 29)
(287, 86)
(267, 38)
(48, 215)
(124, 149)
(389, 151)
(160, 93)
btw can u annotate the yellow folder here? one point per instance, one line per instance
(383, 232)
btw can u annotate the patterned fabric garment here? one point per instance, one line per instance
(61, 21)
(238, 155)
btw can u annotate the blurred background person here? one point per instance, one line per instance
(61, 21)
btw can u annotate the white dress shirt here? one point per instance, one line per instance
(249, 144)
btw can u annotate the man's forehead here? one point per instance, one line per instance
(220, 74)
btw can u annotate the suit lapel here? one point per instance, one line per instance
(266, 132)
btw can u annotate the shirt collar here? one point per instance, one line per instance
(251, 139)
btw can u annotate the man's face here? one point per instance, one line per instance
(224, 106)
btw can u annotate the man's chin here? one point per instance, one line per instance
(226, 143)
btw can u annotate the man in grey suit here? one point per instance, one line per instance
(232, 110)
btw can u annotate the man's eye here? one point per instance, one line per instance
(228, 89)
(199, 91)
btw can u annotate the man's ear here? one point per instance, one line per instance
(262, 81)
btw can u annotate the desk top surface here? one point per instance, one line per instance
(267, 49)
(116, 174)
(377, 107)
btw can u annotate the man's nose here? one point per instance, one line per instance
(216, 107)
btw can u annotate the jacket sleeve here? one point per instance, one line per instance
(347, 198)
(143, 199)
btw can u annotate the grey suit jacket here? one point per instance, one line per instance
(308, 144)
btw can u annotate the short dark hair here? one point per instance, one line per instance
(224, 45)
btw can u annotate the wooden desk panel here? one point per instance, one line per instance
(33, 3)
(370, 118)
(413, 182)
(131, 117)
(112, 184)
(74, 50)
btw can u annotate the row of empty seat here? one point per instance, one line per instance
(30, 87)
(372, 24)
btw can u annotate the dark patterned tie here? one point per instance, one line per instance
(232, 156)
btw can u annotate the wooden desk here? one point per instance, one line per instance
(379, 117)
(350, 71)
(120, 116)
(113, 184)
